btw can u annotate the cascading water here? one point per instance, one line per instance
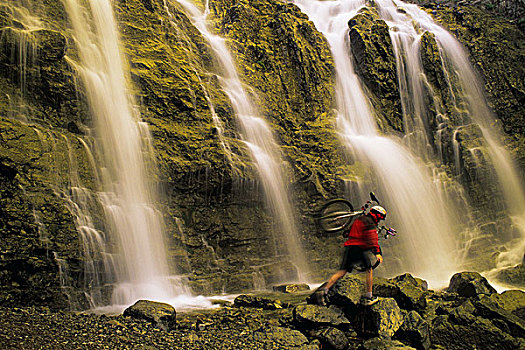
(469, 93)
(128, 197)
(414, 199)
(258, 136)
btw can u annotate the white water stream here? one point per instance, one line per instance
(415, 202)
(133, 223)
(258, 136)
(406, 31)
(415, 196)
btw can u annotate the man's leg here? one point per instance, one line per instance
(335, 277)
(367, 298)
(369, 281)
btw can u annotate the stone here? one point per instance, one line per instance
(410, 293)
(284, 338)
(161, 315)
(259, 302)
(514, 276)
(331, 338)
(315, 316)
(382, 319)
(488, 309)
(414, 331)
(346, 292)
(512, 301)
(291, 288)
(461, 330)
(469, 284)
(385, 344)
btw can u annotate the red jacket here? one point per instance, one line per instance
(363, 233)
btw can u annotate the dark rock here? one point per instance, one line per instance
(382, 319)
(284, 338)
(259, 302)
(161, 315)
(331, 338)
(373, 51)
(414, 331)
(461, 330)
(315, 316)
(291, 288)
(384, 344)
(469, 284)
(346, 292)
(514, 276)
(487, 308)
(410, 293)
(512, 301)
(318, 297)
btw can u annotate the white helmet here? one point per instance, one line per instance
(378, 212)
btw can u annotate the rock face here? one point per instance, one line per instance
(159, 314)
(218, 224)
(374, 54)
(469, 284)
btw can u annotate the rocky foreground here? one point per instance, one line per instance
(470, 314)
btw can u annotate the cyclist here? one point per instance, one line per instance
(361, 248)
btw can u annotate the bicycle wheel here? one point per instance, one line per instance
(335, 215)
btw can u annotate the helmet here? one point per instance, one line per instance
(378, 213)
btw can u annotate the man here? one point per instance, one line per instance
(362, 248)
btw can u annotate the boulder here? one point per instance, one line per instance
(284, 338)
(414, 331)
(291, 288)
(346, 292)
(382, 319)
(162, 315)
(514, 276)
(503, 319)
(259, 302)
(331, 338)
(512, 301)
(316, 316)
(469, 284)
(410, 293)
(463, 331)
(385, 344)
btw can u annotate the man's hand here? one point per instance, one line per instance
(379, 258)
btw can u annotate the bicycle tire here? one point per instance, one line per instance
(335, 215)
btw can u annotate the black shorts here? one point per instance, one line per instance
(355, 257)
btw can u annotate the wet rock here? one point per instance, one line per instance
(461, 330)
(315, 316)
(331, 338)
(512, 301)
(382, 319)
(469, 284)
(374, 54)
(506, 321)
(259, 302)
(161, 315)
(410, 293)
(414, 331)
(291, 288)
(284, 338)
(346, 292)
(514, 276)
(385, 344)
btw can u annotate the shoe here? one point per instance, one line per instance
(368, 301)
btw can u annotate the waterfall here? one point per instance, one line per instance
(258, 136)
(415, 201)
(127, 194)
(410, 24)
